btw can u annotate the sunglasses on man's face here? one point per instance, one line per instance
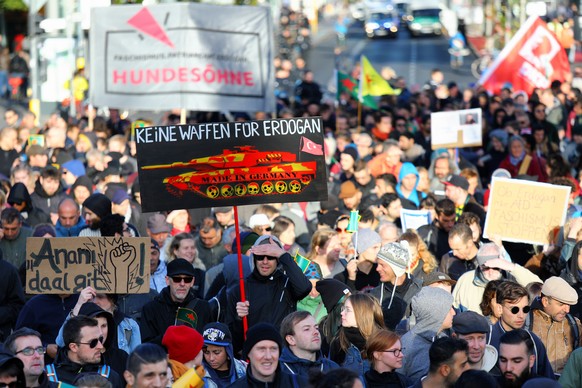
(93, 343)
(515, 310)
(261, 258)
(179, 279)
(13, 384)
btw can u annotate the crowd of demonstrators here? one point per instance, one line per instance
(391, 307)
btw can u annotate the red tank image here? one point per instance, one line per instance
(241, 172)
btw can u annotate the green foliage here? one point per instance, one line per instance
(13, 5)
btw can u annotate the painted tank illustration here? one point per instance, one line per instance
(241, 172)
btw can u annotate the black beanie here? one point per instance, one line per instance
(261, 332)
(331, 292)
(99, 204)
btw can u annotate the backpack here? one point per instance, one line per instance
(51, 372)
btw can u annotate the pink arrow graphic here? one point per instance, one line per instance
(145, 22)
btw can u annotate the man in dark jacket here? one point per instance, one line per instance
(25, 344)
(13, 237)
(436, 235)
(19, 198)
(11, 297)
(262, 348)
(457, 190)
(303, 351)
(11, 371)
(271, 293)
(396, 290)
(513, 305)
(463, 255)
(82, 353)
(175, 303)
(48, 192)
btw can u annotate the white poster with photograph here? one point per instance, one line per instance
(456, 129)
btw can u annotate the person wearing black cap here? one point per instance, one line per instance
(175, 302)
(95, 208)
(221, 367)
(474, 328)
(457, 190)
(11, 371)
(333, 295)
(262, 348)
(272, 293)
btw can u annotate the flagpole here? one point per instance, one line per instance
(241, 276)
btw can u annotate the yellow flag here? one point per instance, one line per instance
(372, 83)
(190, 379)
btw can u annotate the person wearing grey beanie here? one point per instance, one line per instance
(433, 310)
(360, 273)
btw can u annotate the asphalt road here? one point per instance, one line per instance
(412, 58)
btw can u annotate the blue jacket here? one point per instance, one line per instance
(300, 366)
(237, 370)
(542, 366)
(414, 197)
(158, 278)
(73, 231)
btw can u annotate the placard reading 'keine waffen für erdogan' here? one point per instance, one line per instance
(235, 163)
(68, 265)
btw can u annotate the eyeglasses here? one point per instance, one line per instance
(341, 230)
(261, 258)
(485, 268)
(186, 279)
(93, 343)
(267, 229)
(515, 310)
(29, 351)
(13, 384)
(396, 352)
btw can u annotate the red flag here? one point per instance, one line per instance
(533, 59)
(311, 147)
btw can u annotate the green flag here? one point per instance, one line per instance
(302, 261)
(347, 84)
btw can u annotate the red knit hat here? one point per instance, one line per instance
(183, 343)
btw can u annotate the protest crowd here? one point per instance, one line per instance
(378, 304)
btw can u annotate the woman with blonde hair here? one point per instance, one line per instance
(325, 252)
(183, 246)
(361, 317)
(422, 262)
(384, 350)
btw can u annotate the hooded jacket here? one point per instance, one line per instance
(271, 298)
(47, 203)
(32, 216)
(430, 306)
(237, 370)
(67, 371)
(300, 366)
(113, 356)
(160, 314)
(404, 292)
(469, 289)
(158, 278)
(413, 200)
(542, 366)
